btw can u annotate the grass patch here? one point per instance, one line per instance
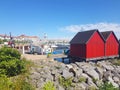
(66, 83)
(14, 71)
(15, 83)
(93, 88)
(94, 80)
(115, 62)
(57, 67)
(49, 86)
(107, 86)
(19, 83)
(82, 79)
(5, 83)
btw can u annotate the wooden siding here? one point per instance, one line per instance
(78, 50)
(95, 46)
(111, 46)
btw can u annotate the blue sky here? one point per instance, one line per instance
(58, 18)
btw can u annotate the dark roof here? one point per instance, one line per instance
(106, 34)
(82, 37)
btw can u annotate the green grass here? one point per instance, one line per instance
(17, 82)
(49, 86)
(82, 79)
(92, 88)
(107, 86)
(66, 83)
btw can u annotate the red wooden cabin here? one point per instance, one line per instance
(88, 45)
(119, 47)
(111, 44)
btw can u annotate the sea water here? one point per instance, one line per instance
(60, 51)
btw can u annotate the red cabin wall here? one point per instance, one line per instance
(111, 46)
(95, 47)
(119, 49)
(78, 50)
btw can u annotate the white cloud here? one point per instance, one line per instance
(100, 26)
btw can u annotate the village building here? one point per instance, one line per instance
(4, 36)
(111, 44)
(87, 45)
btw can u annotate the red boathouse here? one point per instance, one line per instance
(119, 47)
(88, 45)
(111, 44)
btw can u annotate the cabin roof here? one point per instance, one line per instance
(82, 37)
(106, 34)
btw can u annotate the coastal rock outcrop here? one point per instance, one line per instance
(80, 75)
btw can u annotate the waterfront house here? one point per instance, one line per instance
(87, 45)
(111, 44)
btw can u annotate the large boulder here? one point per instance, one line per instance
(66, 74)
(69, 66)
(117, 69)
(116, 79)
(116, 73)
(106, 65)
(85, 75)
(60, 88)
(112, 81)
(92, 73)
(78, 72)
(81, 86)
(40, 84)
(99, 71)
(106, 75)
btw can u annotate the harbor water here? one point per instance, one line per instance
(60, 51)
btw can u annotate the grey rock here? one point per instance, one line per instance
(71, 88)
(116, 79)
(87, 67)
(92, 73)
(66, 74)
(33, 82)
(85, 75)
(51, 71)
(35, 75)
(38, 70)
(54, 72)
(63, 66)
(92, 63)
(48, 77)
(99, 71)
(116, 73)
(69, 66)
(106, 75)
(106, 65)
(40, 84)
(99, 83)
(46, 69)
(56, 77)
(71, 70)
(75, 70)
(91, 83)
(78, 72)
(75, 66)
(81, 86)
(75, 80)
(60, 88)
(118, 69)
(112, 81)
(82, 64)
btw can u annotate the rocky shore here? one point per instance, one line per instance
(74, 76)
